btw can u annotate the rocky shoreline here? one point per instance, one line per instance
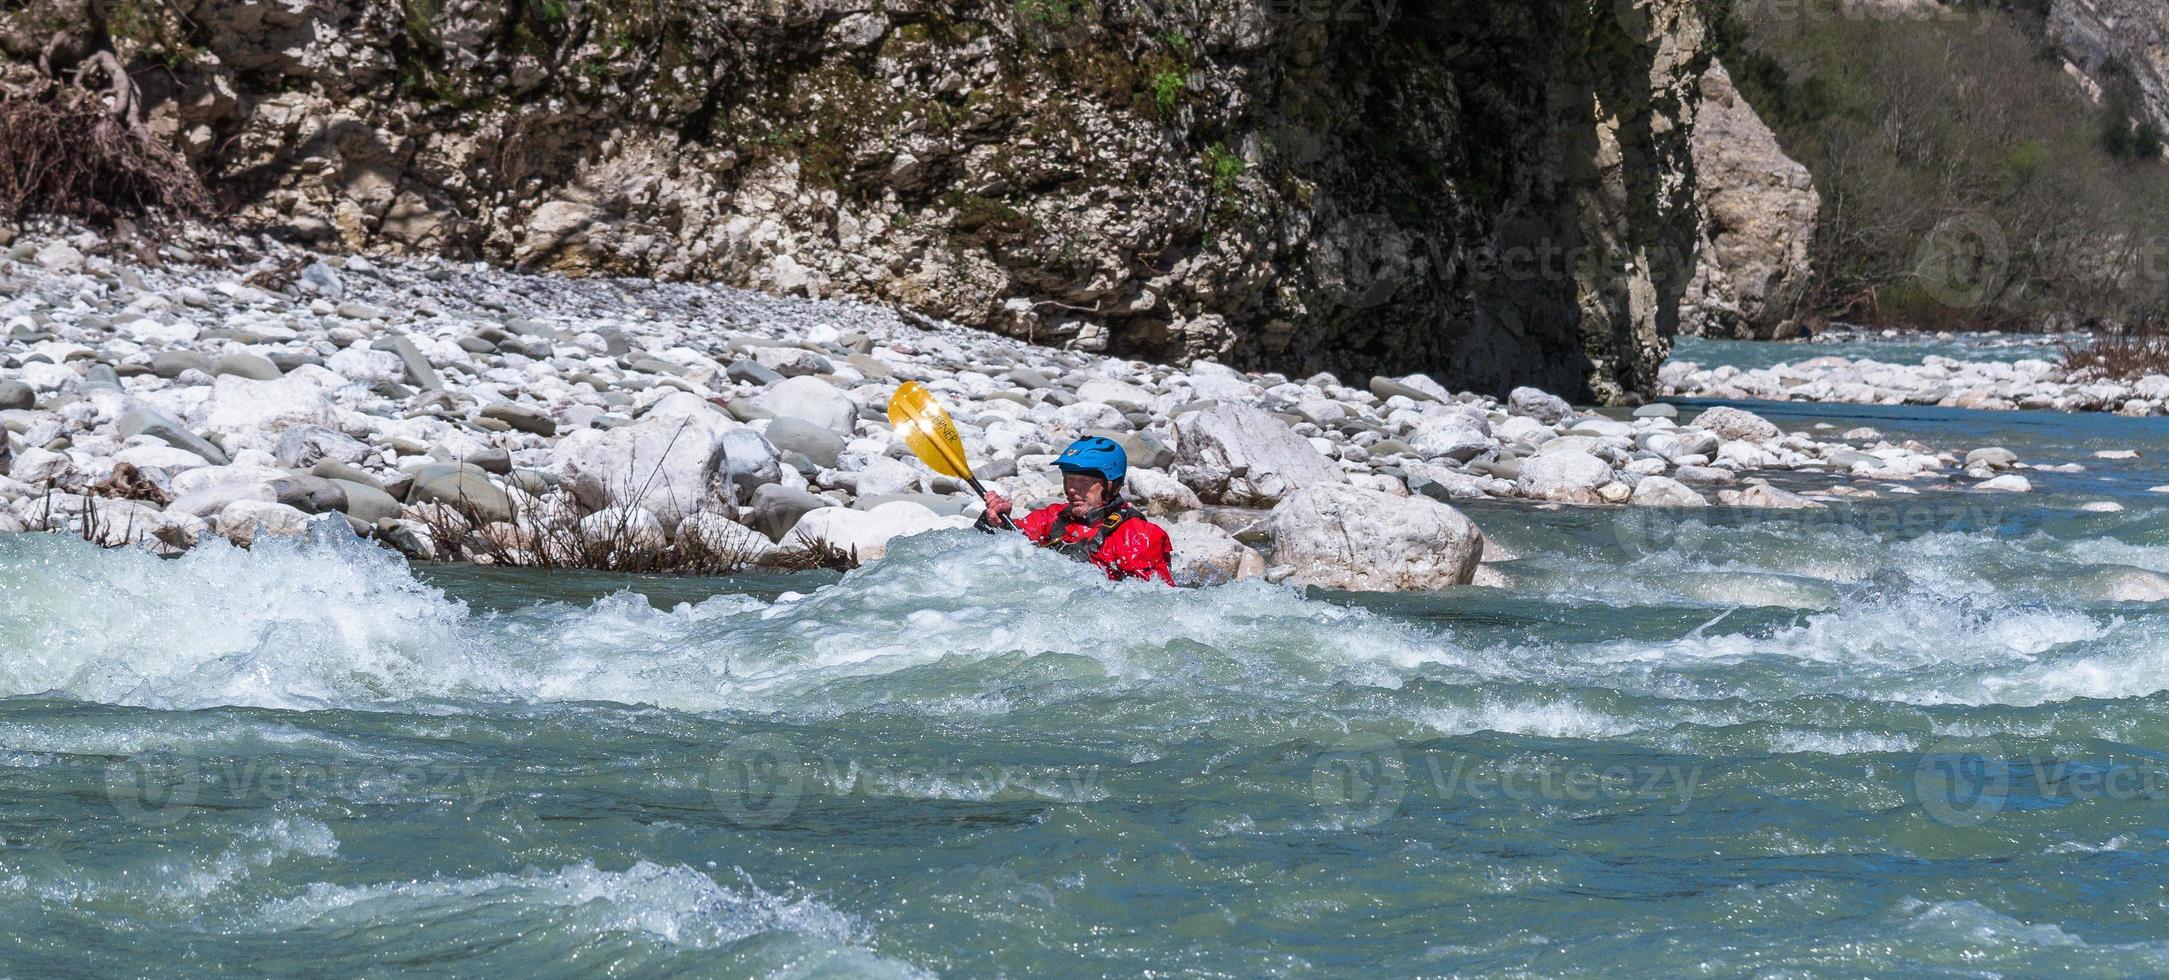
(239, 387)
(2027, 383)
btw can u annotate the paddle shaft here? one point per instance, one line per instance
(982, 492)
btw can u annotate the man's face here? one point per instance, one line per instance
(1085, 493)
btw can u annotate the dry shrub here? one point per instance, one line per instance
(2117, 357)
(807, 552)
(92, 524)
(555, 532)
(66, 154)
(551, 535)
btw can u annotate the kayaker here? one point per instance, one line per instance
(1094, 523)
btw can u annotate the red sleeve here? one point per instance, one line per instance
(1140, 549)
(1040, 523)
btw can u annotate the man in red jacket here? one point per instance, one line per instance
(1094, 523)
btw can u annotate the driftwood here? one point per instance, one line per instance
(79, 148)
(124, 100)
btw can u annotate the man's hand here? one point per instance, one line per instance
(998, 508)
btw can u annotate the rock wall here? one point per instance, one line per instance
(1494, 193)
(1759, 212)
(2113, 39)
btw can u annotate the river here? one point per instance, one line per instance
(1921, 733)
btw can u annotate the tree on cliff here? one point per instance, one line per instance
(1967, 179)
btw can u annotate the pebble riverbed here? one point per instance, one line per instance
(249, 388)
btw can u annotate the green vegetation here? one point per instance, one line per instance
(976, 214)
(1050, 24)
(1223, 168)
(2125, 141)
(155, 34)
(1167, 89)
(1049, 13)
(1966, 181)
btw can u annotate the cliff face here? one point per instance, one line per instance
(1759, 213)
(2117, 40)
(1496, 193)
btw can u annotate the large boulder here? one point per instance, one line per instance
(882, 476)
(1735, 423)
(253, 414)
(17, 395)
(1206, 554)
(466, 491)
(1459, 437)
(1121, 395)
(866, 534)
(143, 420)
(1246, 457)
(818, 443)
(244, 521)
(810, 399)
(526, 418)
(310, 494)
(777, 508)
(1762, 495)
(1143, 449)
(1160, 494)
(748, 461)
(303, 446)
(1570, 475)
(207, 499)
(667, 462)
(1663, 491)
(366, 503)
(1538, 404)
(1345, 537)
(36, 465)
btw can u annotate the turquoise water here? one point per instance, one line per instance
(1905, 348)
(1918, 735)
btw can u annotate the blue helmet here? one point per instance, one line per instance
(1097, 455)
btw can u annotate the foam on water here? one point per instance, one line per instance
(310, 623)
(1560, 719)
(675, 905)
(325, 622)
(581, 917)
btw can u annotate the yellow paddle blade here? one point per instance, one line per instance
(926, 428)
